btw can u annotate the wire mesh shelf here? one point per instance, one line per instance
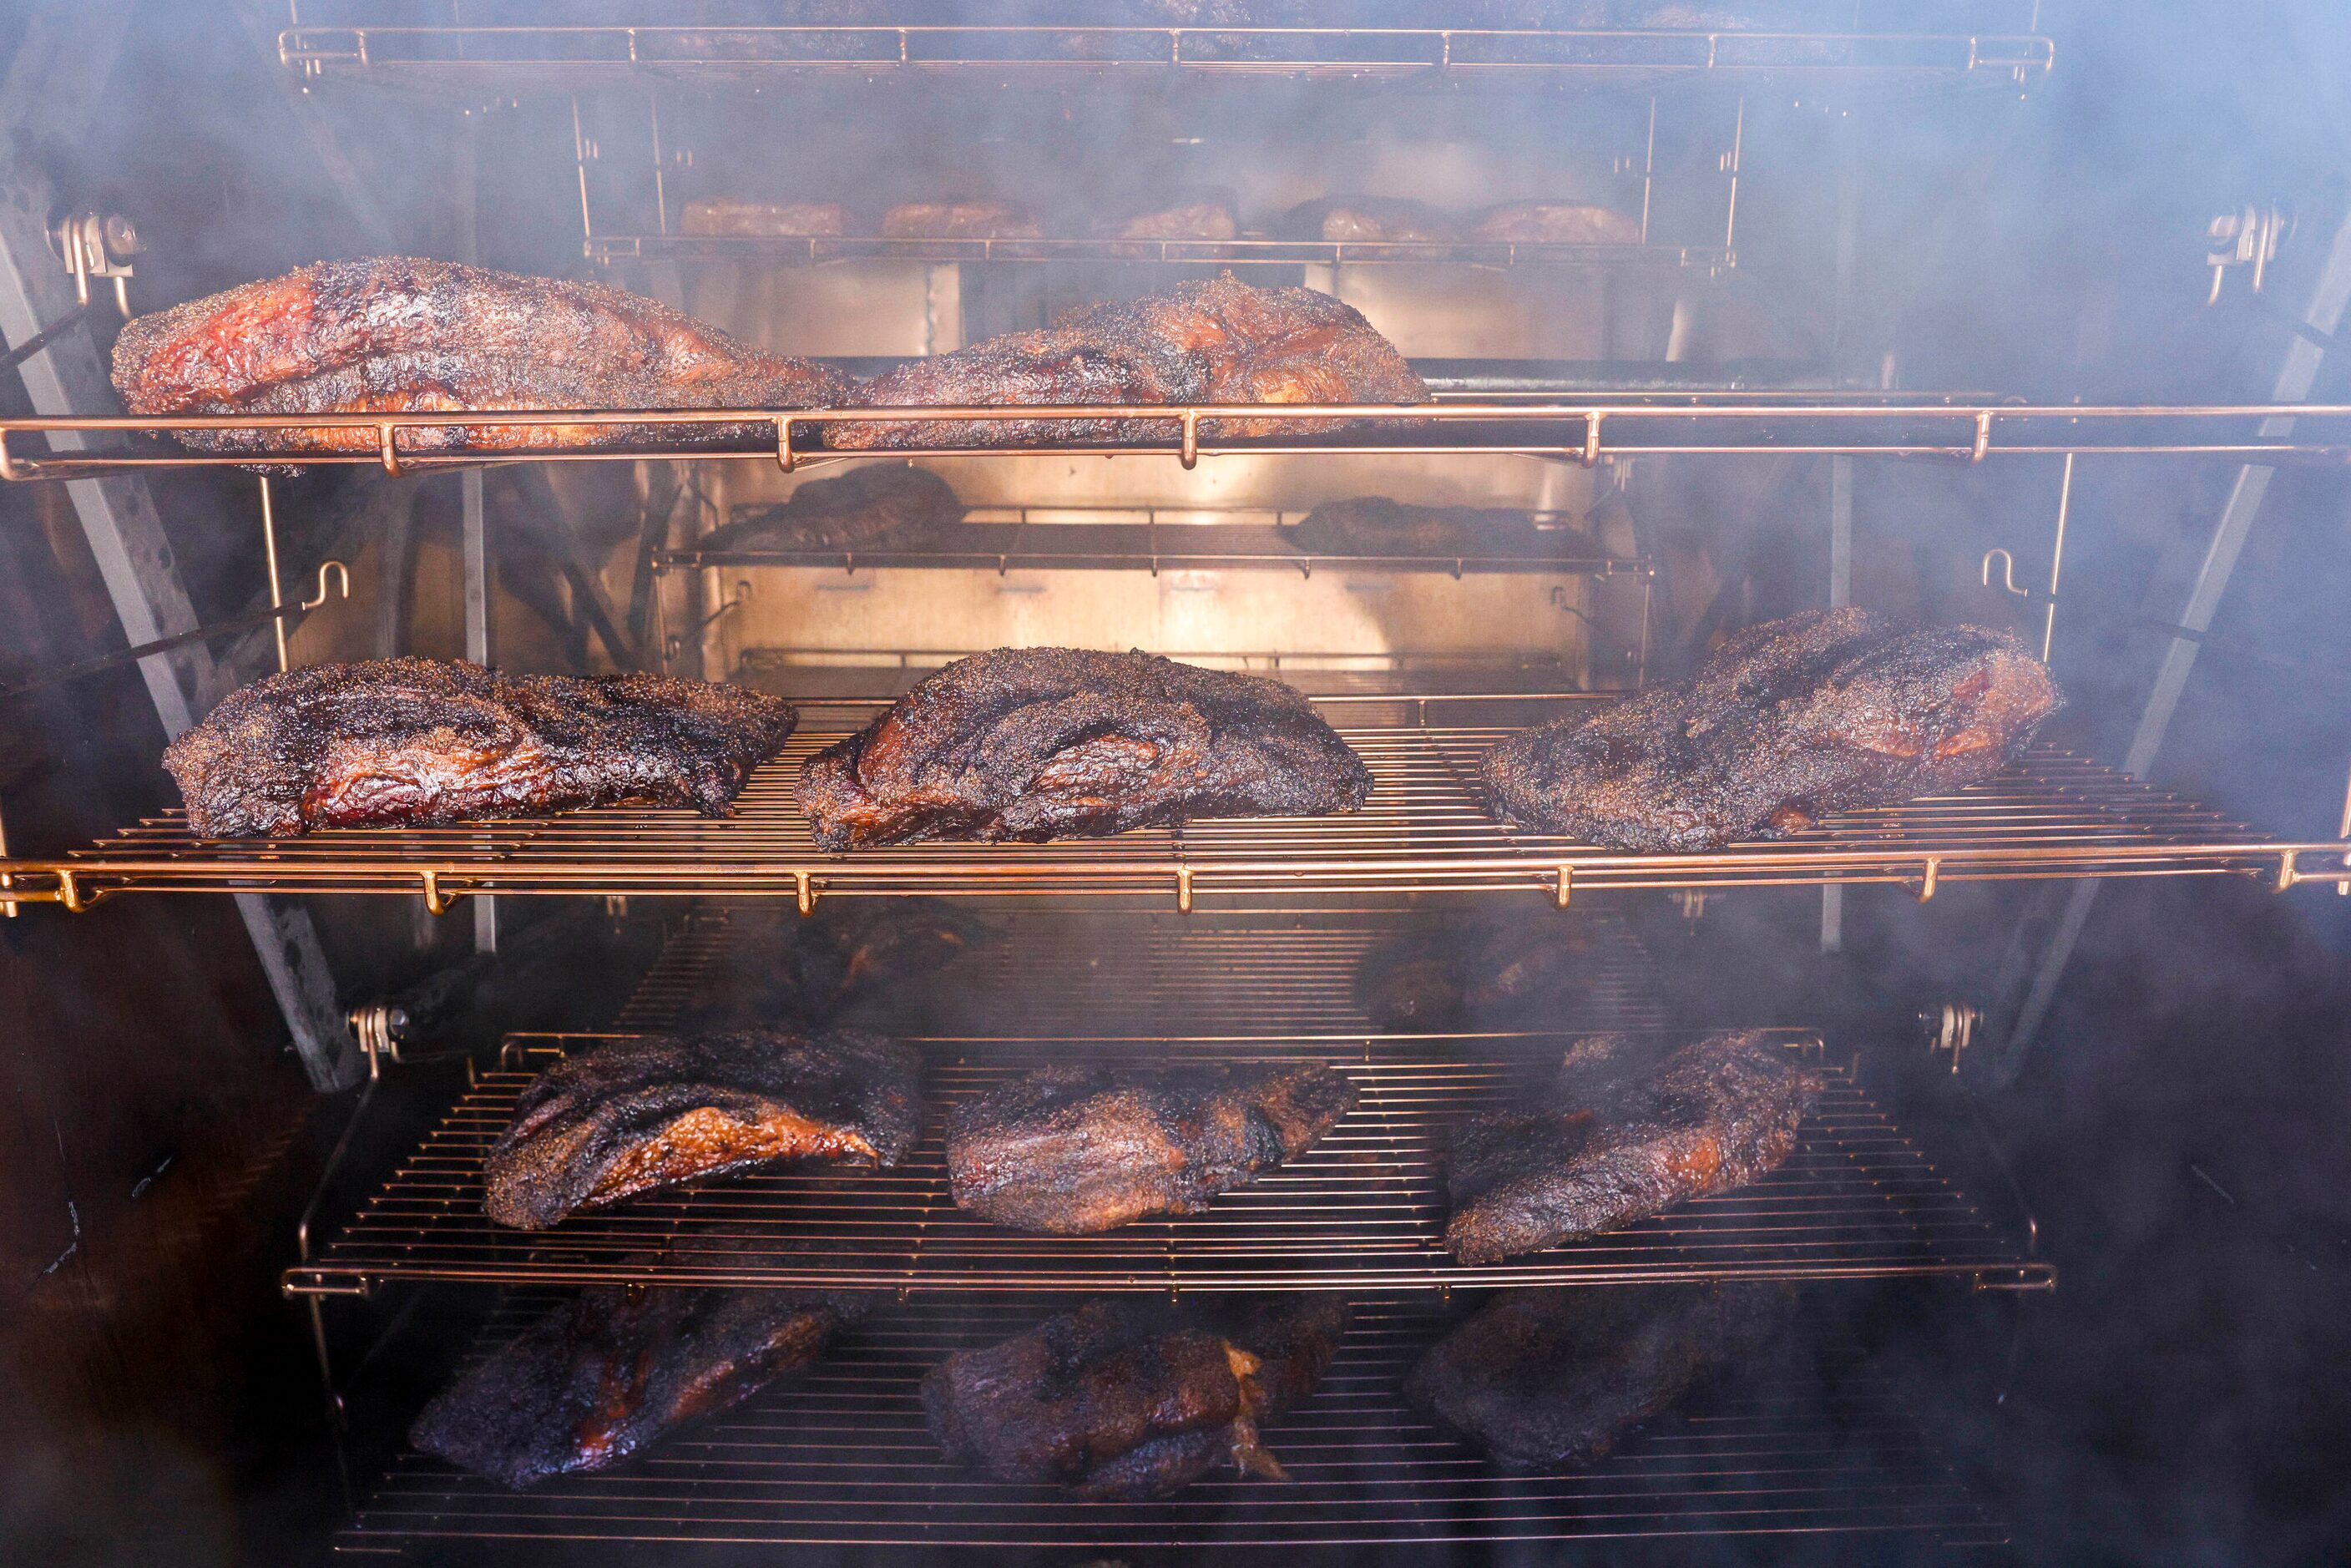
(1805, 1441)
(565, 57)
(1363, 1210)
(1020, 544)
(1424, 830)
(819, 250)
(1581, 431)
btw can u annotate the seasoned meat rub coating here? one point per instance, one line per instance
(790, 969)
(1624, 1134)
(1132, 1397)
(1553, 1377)
(648, 1111)
(1374, 219)
(1032, 744)
(607, 1374)
(397, 742)
(398, 335)
(961, 220)
(1552, 223)
(784, 220)
(1204, 220)
(1216, 341)
(1074, 1151)
(1374, 525)
(881, 507)
(1820, 712)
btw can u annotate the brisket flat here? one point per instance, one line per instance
(881, 507)
(401, 742)
(1074, 1151)
(1374, 525)
(1462, 972)
(398, 335)
(1553, 1377)
(1031, 744)
(609, 1372)
(1629, 1129)
(1134, 1398)
(654, 1110)
(1216, 341)
(1552, 223)
(1820, 712)
(785, 969)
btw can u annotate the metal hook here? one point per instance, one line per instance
(2007, 572)
(342, 575)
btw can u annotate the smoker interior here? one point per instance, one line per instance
(1919, 303)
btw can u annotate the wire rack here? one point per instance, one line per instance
(819, 250)
(1148, 547)
(1800, 1443)
(1424, 830)
(1581, 431)
(1363, 1209)
(555, 57)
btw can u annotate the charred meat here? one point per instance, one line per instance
(1031, 744)
(1370, 219)
(607, 1374)
(1824, 711)
(1472, 972)
(649, 1112)
(961, 220)
(1074, 1151)
(1552, 223)
(884, 506)
(1218, 341)
(1555, 1377)
(1374, 525)
(786, 220)
(1210, 218)
(397, 335)
(1132, 1397)
(399, 742)
(1629, 1130)
(789, 969)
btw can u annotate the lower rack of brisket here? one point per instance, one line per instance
(1363, 1210)
(1808, 1441)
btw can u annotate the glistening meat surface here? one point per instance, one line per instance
(605, 1375)
(1630, 1128)
(1032, 744)
(1134, 1398)
(394, 742)
(1073, 1151)
(638, 1113)
(399, 335)
(1823, 711)
(1218, 341)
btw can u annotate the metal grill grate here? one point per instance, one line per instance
(1363, 1210)
(1424, 830)
(1808, 1444)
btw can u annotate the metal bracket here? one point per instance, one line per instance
(2248, 237)
(99, 246)
(1952, 1027)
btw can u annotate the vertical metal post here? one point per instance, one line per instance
(1840, 468)
(473, 522)
(579, 153)
(661, 191)
(277, 588)
(1648, 167)
(2056, 560)
(1730, 167)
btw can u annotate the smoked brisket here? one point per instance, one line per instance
(1216, 341)
(609, 1372)
(1553, 1377)
(398, 335)
(1132, 1396)
(400, 742)
(1073, 1150)
(1032, 744)
(1630, 1128)
(880, 506)
(1820, 712)
(654, 1110)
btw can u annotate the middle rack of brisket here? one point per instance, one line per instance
(1630, 1128)
(1074, 1151)
(1031, 744)
(1219, 342)
(652, 1111)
